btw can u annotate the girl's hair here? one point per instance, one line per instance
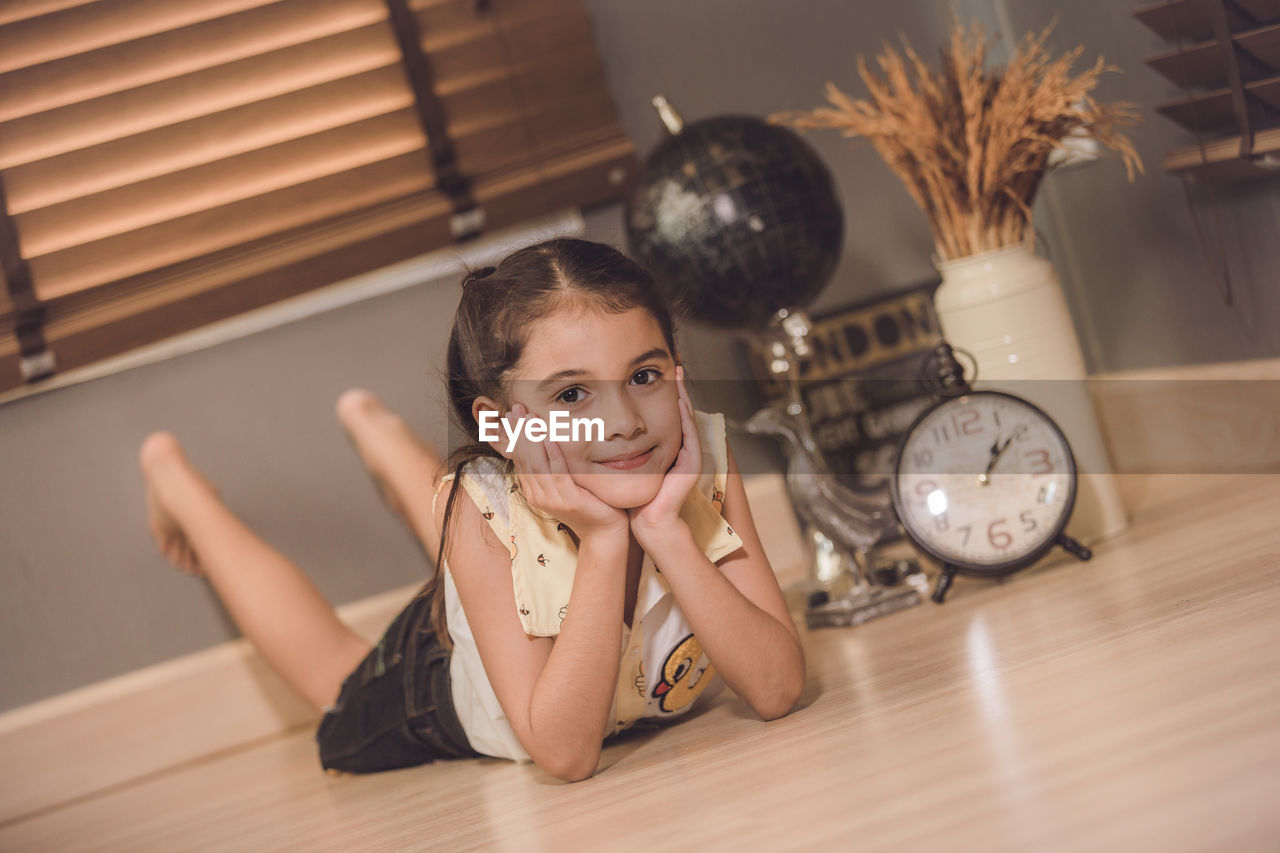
(499, 306)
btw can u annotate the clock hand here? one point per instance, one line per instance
(997, 450)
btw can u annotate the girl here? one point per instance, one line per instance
(582, 585)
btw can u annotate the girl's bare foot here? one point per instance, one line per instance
(167, 470)
(398, 461)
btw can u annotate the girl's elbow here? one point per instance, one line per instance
(782, 699)
(572, 767)
(576, 774)
(778, 705)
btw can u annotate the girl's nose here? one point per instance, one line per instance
(623, 419)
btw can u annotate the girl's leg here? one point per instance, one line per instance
(274, 603)
(405, 468)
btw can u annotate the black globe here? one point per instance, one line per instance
(736, 219)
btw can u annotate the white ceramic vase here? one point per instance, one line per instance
(1006, 308)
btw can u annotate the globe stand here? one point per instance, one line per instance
(842, 527)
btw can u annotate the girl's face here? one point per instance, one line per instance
(591, 363)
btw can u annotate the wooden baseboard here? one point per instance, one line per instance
(187, 709)
(1196, 419)
(74, 745)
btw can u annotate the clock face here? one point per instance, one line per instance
(985, 481)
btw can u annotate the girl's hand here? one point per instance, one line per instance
(664, 510)
(549, 488)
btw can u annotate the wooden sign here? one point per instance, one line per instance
(861, 382)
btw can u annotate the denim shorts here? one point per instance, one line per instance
(395, 709)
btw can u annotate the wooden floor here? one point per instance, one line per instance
(1128, 703)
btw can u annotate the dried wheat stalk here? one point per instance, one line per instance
(971, 144)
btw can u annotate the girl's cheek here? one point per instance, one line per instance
(577, 456)
(670, 458)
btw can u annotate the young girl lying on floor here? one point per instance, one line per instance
(583, 585)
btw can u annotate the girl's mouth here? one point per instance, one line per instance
(630, 461)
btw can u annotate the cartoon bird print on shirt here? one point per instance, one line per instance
(717, 499)
(684, 676)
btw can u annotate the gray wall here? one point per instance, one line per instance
(86, 595)
(1139, 283)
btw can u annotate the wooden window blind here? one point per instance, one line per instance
(167, 163)
(1226, 61)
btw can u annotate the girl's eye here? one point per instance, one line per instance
(648, 376)
(569, 396)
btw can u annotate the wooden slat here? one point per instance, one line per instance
(120, 173)
(10, 373)
(484, 99)
(10, 376)
(252, 217)
(447, 22)
(451, 22)
(555, 83)
(1186, 20)
(81, 244)
(1264, 11)
(1201, 64)
(131, 162)
(128, 210)
(512, 99)
(467, 35)
(171, 241)
(6, 308)
(132, 111)
(131, 310)
(102, 24)
(109, 224)
(537, 124)
(59, 224)
(562, 89)
(167, 55)
(209, 92)
(595, 175)
(533, 29)
(1263, 45)
(480, 52)
(1221, 158)
(1212, 111)
(572, 126)
(17, 10)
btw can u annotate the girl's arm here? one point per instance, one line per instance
(555, 694)
(735, 607)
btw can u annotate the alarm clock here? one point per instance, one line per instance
(983, 481)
